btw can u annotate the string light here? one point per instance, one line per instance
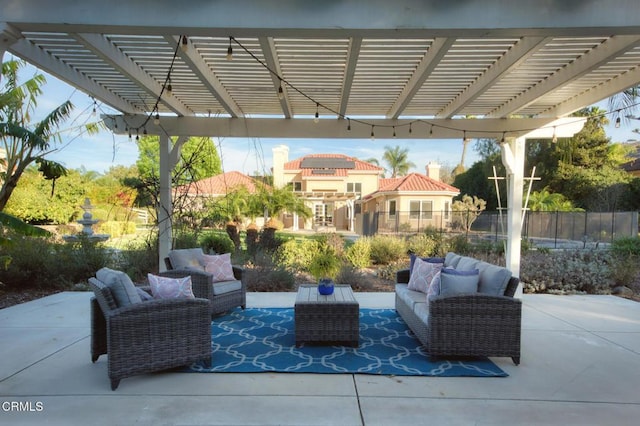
(554, 138)
(409, 128)
(316, 118)
(394, 132)
(503, 137)
(348, 124)
(229, 51)
(185, 43)
(618, 123)
(280, 91)
(464, 136)
(169, 87)
(373, 136)
(431, 130)
(156, 119)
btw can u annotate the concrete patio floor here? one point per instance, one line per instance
(580, 366)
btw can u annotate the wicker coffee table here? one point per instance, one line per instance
(332, 319)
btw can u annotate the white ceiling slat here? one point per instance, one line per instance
(200, 69)
(598, 56)
(350, 68)
(98, 44)
(514, 56)
(429, 62)
(26, 50)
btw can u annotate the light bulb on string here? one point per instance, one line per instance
(156, 119)
(431, 130)
(184, 45)
(169, 86)
(554, 138)
(373, 136)
(394, 132)
(618, 123)
(316, 118)
(503, 137)
(348, 124)
(280, 91)
(409, 128)
(229, 51)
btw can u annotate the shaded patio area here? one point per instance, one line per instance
(580, 366)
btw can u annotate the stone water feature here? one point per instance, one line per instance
(87, 223)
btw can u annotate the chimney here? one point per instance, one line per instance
(280, 157)
(433, 170)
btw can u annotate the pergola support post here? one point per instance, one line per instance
(165, 205)
(513, 155)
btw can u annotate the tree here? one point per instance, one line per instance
(545, 201)
(24, 142)
(398, 160)
(466, 211)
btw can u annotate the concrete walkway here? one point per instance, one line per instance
(580, 366)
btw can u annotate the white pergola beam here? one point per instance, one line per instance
(613, 47)
(197, 65)
(355, 43)
(327, 128)
(431, 59)
(269, 51)
(104, 49)
(518, 53)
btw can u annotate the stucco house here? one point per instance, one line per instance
(343, 192)
(408, 203)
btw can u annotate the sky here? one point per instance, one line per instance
(101, 151)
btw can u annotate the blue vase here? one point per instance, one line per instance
(325, 286)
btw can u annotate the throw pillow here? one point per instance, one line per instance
(186, 258)
(434, 286)
(170, 288)
(413, 257)
(219, 266)
(493, 279)
(454, 282)
(422, 274)
(122, 288)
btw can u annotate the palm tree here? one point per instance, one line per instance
(625, 100)
(23, 142)
(398, 160)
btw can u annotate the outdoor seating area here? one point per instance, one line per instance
(574, 348)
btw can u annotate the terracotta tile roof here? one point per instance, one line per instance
(414, 182)
(219, 184)
(359, 164)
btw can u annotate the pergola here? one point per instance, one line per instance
(418, 69)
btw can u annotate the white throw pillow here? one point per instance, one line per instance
(170, 288)
(422, 274)
(219, 266)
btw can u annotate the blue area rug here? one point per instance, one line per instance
(263, 340)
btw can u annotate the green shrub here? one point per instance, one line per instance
(359, 253)
(185, 239)
(626, 246)
(423, 245)
(458, 244)
(566, 272)
(296, 255)
(214, 242)
(357, 280)
(387, 249)
(139, 258)
(263, 274)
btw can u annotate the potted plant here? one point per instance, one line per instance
(325, 266)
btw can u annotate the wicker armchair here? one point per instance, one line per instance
(149, 336)
(221, 301)
(468, 324)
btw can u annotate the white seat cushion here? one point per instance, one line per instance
(223, 287)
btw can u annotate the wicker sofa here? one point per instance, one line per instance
(145, 336)
(471, 324)
(223, 295)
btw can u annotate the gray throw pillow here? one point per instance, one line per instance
(454, 282)
(123, 290)
(466, 263)
(187, 259)
(493, 279)
(451, 259)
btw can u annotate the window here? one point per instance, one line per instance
(392, 207)
(354, 187)
(297, 186)
(421, 209)
(447, 207)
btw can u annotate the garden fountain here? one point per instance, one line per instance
(87, 223)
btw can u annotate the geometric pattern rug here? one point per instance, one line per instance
(263, 340)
